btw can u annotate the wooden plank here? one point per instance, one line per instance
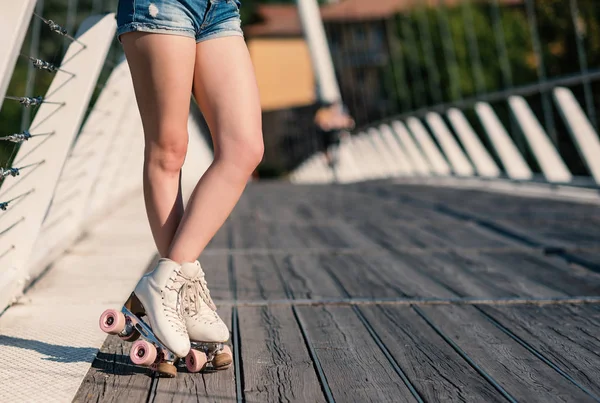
(332, 204)
(503, 206)
(547, 222)
(567, 335)
(221, 239)
(456, 233)
(550, 271)
(326, 203)
(504, 274)
(217, 386)
(243, 206)
(438, 373)
(275, 235)
(533, 209)
(356, 207)
(433, 234)
(581, 233)
(468, 276)
(518, 371)
(276, 363)
(273, 277)
(374, 205)
(381, 276)
(113, 378)
(585, 258)
(257, 278)
(396, 236)
(490, 204)
(282, 202)
(304, 277)
(329, 275)
(216, 269)
(355, 368)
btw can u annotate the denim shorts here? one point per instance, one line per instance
(198, 19)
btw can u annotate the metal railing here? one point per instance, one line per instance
(545, 130)
(441, 141)
(62, 176)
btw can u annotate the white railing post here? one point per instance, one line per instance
(583, 133)
(457, 159)
(364, 162)
(435, 157)
(130, 168)
(346, 163)
(484, 163)
(395, 149)
(553, 167)
(103, 195)
(375, 167)
(419, 161)
(325, 173)
(391, 166)
(358, 172)
(14, 21)
(513, 162)
(30, 195)
(83, 167)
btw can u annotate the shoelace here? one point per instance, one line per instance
(203, 290)
(177, 284)
(191, 304)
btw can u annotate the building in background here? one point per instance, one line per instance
(282, 61)
(364, 43)
(355, 31)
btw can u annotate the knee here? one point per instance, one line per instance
(255, 153)
(245, 153)
(168, 152)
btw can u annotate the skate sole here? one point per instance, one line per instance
(150, 352)
(149, 345)
(214, 356)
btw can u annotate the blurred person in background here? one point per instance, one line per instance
(333, 123)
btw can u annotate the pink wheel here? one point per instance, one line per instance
(112, 321)
(143, 353)
(195, 360)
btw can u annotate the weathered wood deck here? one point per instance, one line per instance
(379, 292)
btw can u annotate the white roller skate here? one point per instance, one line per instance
(164, 336)
(206, 330)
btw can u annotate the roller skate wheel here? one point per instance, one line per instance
(223, 358)
(143, 353)
(166, 369)
(112, 321)
(195, 360)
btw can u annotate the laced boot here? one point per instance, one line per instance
(206, 330)
(158, 293)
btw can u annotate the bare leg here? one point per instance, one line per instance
(225, 88)
(162, 68)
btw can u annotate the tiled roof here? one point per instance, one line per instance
(364, 9)
(277, 20)
(358, 10)
(283, 20)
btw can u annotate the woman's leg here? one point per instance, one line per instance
(225, 88)
(162, 68)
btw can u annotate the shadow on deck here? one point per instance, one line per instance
(379, 292)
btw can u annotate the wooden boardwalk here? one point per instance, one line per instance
(380, 292)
